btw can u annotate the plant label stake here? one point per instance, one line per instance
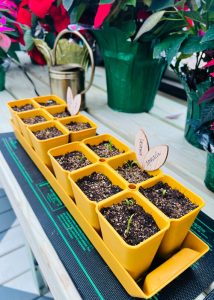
(141, 145)
(73, 103)
(153, 159)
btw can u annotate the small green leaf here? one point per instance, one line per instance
(161, 4)
(67, 4)
(192, 44)
(209, 35)
(170, 46)
(150, 23)
(28, 40)
(129, 224)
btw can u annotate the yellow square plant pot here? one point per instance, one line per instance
(30, 114)
(42, 146)
(135, 259)
(56, 109)
(21, 102)
(82, 134)
(62, 174)
(179, 228)
(44, 99)
(96, 140)
(116, 162)
(87, 206)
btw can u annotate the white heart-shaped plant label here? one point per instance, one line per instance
(73, 103)
(155, 158)
(141, 146)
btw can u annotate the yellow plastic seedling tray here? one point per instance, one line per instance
(44, 99)
(96, 140)
(42, 146)
(191, 250)
(82, 134)
(87, 206)
(30, 114)
(136, 259)
(179, 228)
(22, 102)
(62, 174)
(116, 162)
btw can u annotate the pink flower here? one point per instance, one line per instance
(8, 6)
(3, 22)
(5, 42)
(201, 32)
(209, 64)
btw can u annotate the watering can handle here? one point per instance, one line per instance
(77, 33)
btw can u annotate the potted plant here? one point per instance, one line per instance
(205, 135)
(92, 185)
(45, 136)
(31, 117)
(128, 33)
(129, 168)
(68, 158)
(179, 204)
(18, 106)
(80, 127)
(191, 65)
(132, 229)
(106, 146)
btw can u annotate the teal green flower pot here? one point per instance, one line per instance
(132, 75)
(193, 111)
(2, 78)
(209, 177)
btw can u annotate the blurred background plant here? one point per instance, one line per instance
(10, 36)
(43, 20)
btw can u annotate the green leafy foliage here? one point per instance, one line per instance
(209, 35)
(192, 45)
(158, 5)
(169, 46)
(28, 40)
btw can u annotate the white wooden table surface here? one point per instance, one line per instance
(185, 162)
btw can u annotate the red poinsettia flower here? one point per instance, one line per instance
(40, 8)
(60, 17)
(102, 13)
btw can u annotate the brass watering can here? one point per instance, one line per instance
(63, 74)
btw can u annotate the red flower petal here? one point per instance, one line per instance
(209, 64)
(40, 8)
(37, 57)
(23, 15)
(102, 12)
(60, 17)
(212, 74)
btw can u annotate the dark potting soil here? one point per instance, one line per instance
(105, 149)
(130, 220)
(34, 120)
(77, 126)
(23, 107)
(62, 114)
(49, 102)
(132, 172)
(97, 186)
(72, 160)
(47, 133)
(171, 202)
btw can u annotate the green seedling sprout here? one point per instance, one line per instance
(129, 201)
(129, 224)
(164, 192)
(110, 146)
(131, 163)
